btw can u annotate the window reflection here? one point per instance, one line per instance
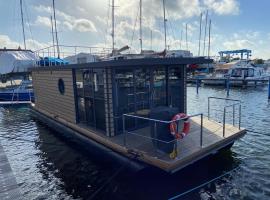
(90, 97)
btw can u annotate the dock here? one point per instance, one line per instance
(9, 189)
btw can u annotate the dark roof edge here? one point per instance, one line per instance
(130, 63)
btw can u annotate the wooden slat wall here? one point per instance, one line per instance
(48, 97)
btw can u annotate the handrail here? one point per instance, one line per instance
(224, 99)
(162, 121)
(155, 126)
(225, 110)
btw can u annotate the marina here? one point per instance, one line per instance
(53, 179)
(156, 114)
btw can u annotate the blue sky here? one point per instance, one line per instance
(236, 24)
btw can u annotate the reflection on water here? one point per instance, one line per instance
(50, 166)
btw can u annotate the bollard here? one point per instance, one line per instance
(228, 87)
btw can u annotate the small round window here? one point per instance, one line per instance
(61, 86)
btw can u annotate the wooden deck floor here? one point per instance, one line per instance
(9, 188)
(189, 148)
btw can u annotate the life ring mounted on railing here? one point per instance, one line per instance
(180, 134)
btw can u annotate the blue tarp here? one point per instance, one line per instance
(50, 61)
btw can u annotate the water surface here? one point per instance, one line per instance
(50, 166)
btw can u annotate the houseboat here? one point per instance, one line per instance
(133, 107)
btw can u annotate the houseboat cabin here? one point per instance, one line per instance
(128, 106)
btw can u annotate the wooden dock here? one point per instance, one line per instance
(9, 189)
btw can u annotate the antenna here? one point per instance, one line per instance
(21, 5)
(52, 36)
(113, 25)
(186, 36)
(200, 35)
(55, 28)
(206, 20)
(165, 28)
(141, 25)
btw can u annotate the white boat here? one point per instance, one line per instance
(244, 73)
(240, 73)
(16, 61)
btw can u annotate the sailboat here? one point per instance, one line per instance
(14, 63)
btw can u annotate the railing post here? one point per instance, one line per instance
(228, 86)
(155, 134)
(233, 114)
(208, 108)
(224, 121)
(124, 130)
(240, 107)
(197, 86)
(269, 89)
(201, 141)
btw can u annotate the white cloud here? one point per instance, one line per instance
(71, 22)
(223, 7)
(6, 41)
(238, 44)
(84, 25)
(43, 21)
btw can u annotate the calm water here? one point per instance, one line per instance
(49, 166)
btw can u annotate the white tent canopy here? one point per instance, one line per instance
(14, 61)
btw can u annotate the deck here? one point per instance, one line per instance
(141, 147)
(9, 188)
(189, 149)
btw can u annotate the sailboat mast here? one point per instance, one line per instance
(165, 28)
(186, 36)
(141, 25)
(204, 43)
(209, 38)
(181, 39)
(151, 36)
(113, 25)
(200, 35)
(53, 36)
(55, 28)
(21, 5)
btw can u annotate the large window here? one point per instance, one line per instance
(176, 88)
(138, 90)
(90, 97)
(159, 90)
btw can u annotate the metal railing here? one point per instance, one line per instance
(152, 126)
(235, 103)
(68, 50)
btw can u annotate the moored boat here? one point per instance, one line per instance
(132, 107)
(22, 92)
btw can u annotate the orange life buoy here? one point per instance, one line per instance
(179, 134)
